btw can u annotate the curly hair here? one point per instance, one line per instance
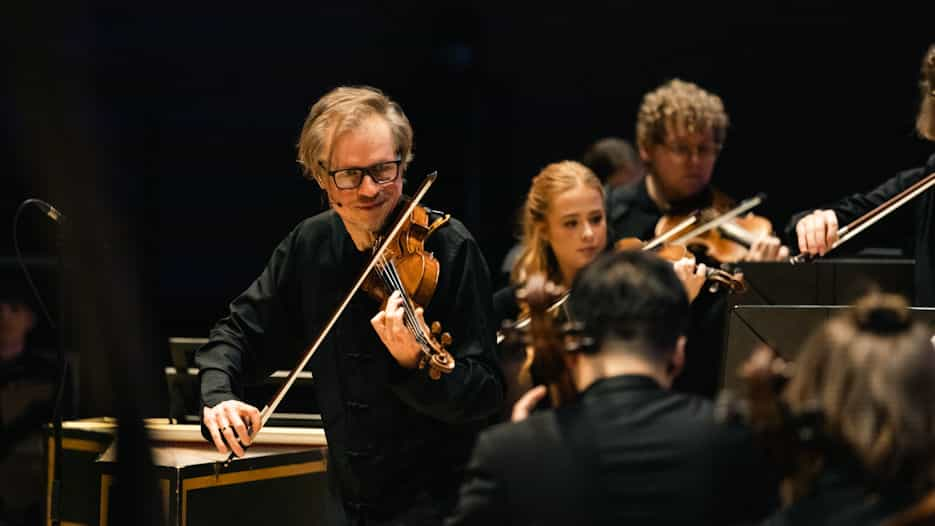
(681, 107)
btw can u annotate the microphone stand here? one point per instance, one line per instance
(56, 500)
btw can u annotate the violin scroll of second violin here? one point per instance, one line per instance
(765, 374)
(789, 439)
(545, 343)
(732, 279)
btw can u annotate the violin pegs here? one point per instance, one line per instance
(436, 327)
(445, 339)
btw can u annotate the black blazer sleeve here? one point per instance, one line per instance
(855, 205)
(482, 499)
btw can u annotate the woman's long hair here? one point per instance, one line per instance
(536, 254)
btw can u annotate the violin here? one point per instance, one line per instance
(545, 344)
(794, 443)
(672, 252)
(406, 267)
(725, 234)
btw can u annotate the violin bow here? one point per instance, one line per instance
(870, 218)
(524, 321)
(742, 208)
(662, 239)
(269, 408)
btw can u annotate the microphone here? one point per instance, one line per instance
(49, 210)
(55, 498)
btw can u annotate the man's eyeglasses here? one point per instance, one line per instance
(684, 152)
(349, 178)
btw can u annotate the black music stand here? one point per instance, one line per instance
(824, 281)
(784, 327)
(182, 379)
(299, 408)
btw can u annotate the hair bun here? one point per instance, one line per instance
(883, 313)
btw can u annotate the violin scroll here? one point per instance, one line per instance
(794, 442)
(546, 344)
(732, 280)
(440, 361)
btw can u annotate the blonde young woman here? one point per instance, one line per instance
(564, 228)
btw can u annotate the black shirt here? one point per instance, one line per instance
(916, 217)
(627, 452)
(505, 306)
(393, 433)
(839, 497)
(28, 385)
(631, 212)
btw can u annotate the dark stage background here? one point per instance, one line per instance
(167, 134)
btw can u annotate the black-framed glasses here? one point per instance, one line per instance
(349, 178)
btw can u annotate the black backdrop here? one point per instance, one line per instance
(168, 133)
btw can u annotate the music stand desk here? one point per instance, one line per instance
(783, 327)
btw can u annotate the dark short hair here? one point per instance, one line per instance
(631, 296)
(610, 154)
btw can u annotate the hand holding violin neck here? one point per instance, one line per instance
(406, 267)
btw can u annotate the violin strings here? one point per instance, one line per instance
(414, 326)
(393, 282)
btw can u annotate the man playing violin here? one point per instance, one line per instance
(628, 450)
(680, 131)
(816, 231)
(397, 439)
